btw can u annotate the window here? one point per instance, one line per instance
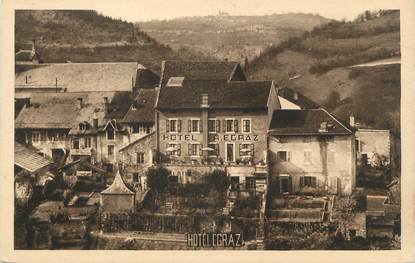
(173, 125)
(307, 157)
(136, 178)
(140, 158)
(110, 133)
(87, 142)
(195, 125)
(246, 149)
(194, 149)
(231, 125)
(246, 125)
(308, 181)
(250, 183)
(213, 126)
(110, 150)
(43, 136)
(176, 149)
(75, 144)
(331, 157)
(283, 156)
(82, 126)
(35, 137)
(215, 147)
(135, 128)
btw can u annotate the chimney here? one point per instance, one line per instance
(79, 103)
(95, 120)
(323, 127)
(106, 105)
(205, 101)
(295, 95)
(352, 121)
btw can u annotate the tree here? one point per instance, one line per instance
(218, 180)
(158, 178)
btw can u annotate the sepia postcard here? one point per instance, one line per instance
(187, 131)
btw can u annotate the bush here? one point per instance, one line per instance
(158, 178)
(218, 180)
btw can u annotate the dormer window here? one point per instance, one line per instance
(110, 133)
(175, 82)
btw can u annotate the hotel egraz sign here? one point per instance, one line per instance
(212, 137)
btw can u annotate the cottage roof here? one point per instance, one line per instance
(305, 122)
(147, 136)
(76, 77)
(200, 70)
(142, 109)
(221, 94)
(146, 79)
(25, 55)
(297, 98)
(28, 159)
(118, 186)
(61, 110)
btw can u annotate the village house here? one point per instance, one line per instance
(84, 118)
(31, 171)
(27, 55)
(311, 152)
(373, 147)
(74, 125)
(138, 155)
(217, 118)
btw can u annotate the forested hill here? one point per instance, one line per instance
(86, 36)
(322, 64)
(229, 36)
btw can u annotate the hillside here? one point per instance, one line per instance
(86, 36)
(318, 64)
(231, 37)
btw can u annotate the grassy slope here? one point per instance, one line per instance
(85, 36)
(233, 37)
(373, 96)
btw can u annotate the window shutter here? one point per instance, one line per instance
(252, 149)
(235, 123)
(302, 181)
(167, 126)
(200, 149)
(179, 126)
(217, 125)
(290, 184)
(313, 181)
(189, 149)
(189, 122)
(200, 126)
(224, 125)
(178, 149)
(288, 156)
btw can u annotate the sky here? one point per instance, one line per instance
(145, 10)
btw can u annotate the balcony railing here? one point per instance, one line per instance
(81, 151)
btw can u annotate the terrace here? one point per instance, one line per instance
(300, 209)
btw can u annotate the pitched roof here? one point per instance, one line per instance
(305, 122)
(76, 77)
(28, 159)
(297, 98)
(200, 70)
(117, 187)
(25, 55)
(147, 136)
(60, 110)
(234, 94)
(146, 79)
(142, 109)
